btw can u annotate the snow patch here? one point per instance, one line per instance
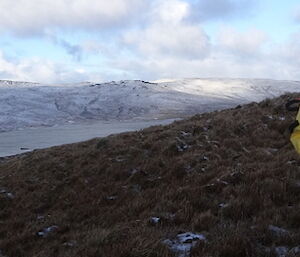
(183, 243)
(278, 231)
(295, 250)
(111, 198)
(7, 194)
(71, 243)
(223, 205)
(281, 251)
(46, 231)
(154, 220)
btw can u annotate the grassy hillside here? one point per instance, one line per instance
(231, 176)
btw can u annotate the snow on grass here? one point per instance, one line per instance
(183, 243)
(7, 194)
(281, 251)
(46, 231)
(278, 231)
(223, 205)
(154, 220)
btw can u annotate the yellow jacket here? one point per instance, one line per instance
(295, 136)
(293, 105)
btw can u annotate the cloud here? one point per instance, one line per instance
(288, 53)
(296, 14)
(172, 31)
(161, 40)
(172, 45)
(38, 70)
(169, 42)
(168, 34)
(25, 17)
(75, 50)
(72, 49)
(171, 11)
(246, 43)
(36, 17)
(240, 54)
(45, 71)
(216, 65)
(221, 9)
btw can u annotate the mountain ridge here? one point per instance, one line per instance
(36, 105)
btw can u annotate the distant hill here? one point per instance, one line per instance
(24, 104)
(225, 183)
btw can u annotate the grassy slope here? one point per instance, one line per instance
(102, 193)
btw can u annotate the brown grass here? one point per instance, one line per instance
(228, 174)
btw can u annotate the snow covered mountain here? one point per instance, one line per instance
(24, 104)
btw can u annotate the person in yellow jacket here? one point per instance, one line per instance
(295, 126)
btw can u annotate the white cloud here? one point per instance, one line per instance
(247, 42)
(168, 34)
(170, 42)
(171, 11)
(171, 45)
(288, 53)
(46, 71)
(244, 54)
(38, 16)
(222, 9)
(38, 70)
(27, 17)
(160, 40)
(216, 65)
(296, 13)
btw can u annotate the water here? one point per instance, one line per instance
(15, 142)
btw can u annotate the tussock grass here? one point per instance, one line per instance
(228, 174)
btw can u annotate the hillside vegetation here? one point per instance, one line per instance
(230, 177)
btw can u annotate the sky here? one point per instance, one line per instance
(65, 41)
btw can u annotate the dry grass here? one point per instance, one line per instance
(228, 174)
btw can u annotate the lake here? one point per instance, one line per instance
(20, 141)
